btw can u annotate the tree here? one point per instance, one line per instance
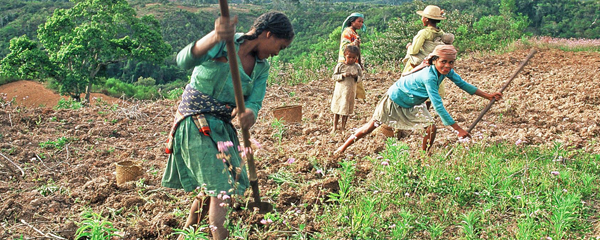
(85, 39)
(26, 60)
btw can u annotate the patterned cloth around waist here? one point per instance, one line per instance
(195, 103)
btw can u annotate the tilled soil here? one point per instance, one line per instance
(554, 99)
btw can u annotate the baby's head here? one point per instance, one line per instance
(448, 38)
(351, 53)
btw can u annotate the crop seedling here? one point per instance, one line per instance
(95, 227)
(279, 129)
(283, 176)
(469, 224)
(49, 188)
(345, 182)
(191, 233)
(68, 104)
(59, 144)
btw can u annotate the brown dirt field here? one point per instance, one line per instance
(34, 94)
(554, 99)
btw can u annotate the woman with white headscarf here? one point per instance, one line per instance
(402, 107)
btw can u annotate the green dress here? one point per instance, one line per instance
(194, 162)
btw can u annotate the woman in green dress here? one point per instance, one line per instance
(203, 144)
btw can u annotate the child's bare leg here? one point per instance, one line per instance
(360, 133)
(216, 218)
(344, 120)
(336, 118)
(429, 137)
(198, 211)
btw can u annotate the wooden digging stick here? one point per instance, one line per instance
(521, 66)
(264, 207)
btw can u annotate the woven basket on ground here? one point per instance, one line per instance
(128, 171)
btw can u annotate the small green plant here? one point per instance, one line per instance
(39, 121)
(469, 224)
(279, 129)
(4, 102)
(179, 213)
(68, 104)
(58, 144)
(564, 212)
(191, 233)
(49, 188)
(95, 227)
(283, 176)
(345, 182)
(153, 171)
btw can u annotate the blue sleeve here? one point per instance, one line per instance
(256, 97)
(186, 60)
(456, 79)
(436, 100)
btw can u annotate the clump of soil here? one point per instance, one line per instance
(67, 157)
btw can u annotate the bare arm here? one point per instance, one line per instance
(224, 29)
(496, 95)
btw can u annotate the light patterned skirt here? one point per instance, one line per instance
(390, 113)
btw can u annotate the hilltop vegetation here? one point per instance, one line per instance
(479, 26)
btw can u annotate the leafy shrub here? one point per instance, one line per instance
(117, 88)
(142, 81)
(68, 104)
(174, 94)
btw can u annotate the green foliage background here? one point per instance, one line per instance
(479, 25)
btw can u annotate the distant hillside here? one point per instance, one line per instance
(316, 23)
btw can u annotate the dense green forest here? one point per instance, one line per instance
(479, 25)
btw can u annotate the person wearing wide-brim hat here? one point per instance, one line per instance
(430, 17)
(425, 40)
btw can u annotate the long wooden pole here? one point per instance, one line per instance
(239, 101)
(521, 66)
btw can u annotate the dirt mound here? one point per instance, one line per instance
(34, 94)
(68, 157)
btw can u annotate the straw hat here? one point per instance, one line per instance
(432, 12)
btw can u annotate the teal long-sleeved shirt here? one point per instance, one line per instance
(214, 77)
(416, 88)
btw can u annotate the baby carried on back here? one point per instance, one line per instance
(428, 46)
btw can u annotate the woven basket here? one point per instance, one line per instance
(128, 171)
(289, 114)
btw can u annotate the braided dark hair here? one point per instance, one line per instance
(351, 20)
(276, 23)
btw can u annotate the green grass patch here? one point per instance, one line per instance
(480, 191)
